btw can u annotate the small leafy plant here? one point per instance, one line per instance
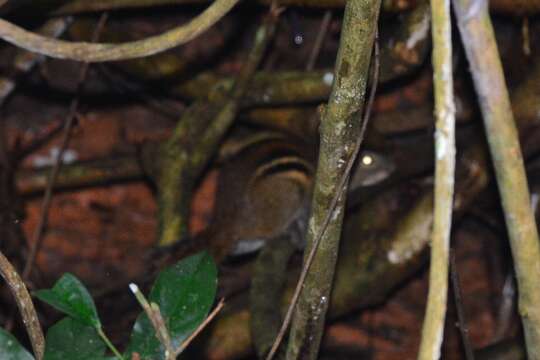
(177, 305)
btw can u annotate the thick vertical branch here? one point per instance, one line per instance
(479, 42)
(340, 127)
(445, 160)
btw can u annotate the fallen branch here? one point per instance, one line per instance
(194, 141)
(88, 52)
(445, 163)
(481, 49)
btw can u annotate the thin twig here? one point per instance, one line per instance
(36, 144)
(89, 52)
(124, 86)
(462, 322)
(70, 118)
(156, 318)
(506, 308)
(206, 321)
(161, 329)
(445, 164)
(323, 29)
(526, 36)
(162, 333)
(25, 305)
(108, 343)
(335, 200)
(25, 61)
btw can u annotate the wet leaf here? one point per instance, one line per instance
(72, 339)
(10, 349)
(184, 293)
(70, 296)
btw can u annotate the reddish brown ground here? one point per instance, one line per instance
(99, 233)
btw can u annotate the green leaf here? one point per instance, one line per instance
(10, 349)
(72, 339)
(71, 297)
(185, 293)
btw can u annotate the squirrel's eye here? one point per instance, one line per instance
(367, 160)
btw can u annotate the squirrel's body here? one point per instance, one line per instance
(264, 189)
